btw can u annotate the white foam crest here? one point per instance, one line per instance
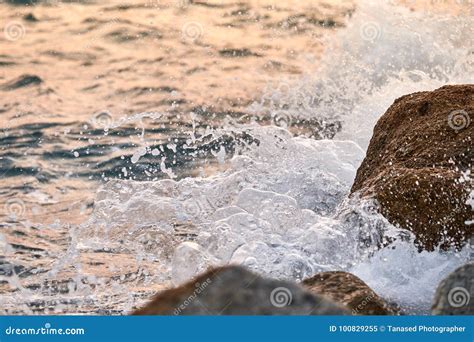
(280, 209)
(384, 52)
(407, 277)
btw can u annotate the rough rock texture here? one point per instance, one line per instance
(455, 293)
(233, 290)
(350, 291)
(414, 164)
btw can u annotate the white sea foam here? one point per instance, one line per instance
(282, 206)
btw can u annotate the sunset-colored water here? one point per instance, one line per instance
(129, 128)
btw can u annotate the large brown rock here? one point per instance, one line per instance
(347, 289)
(233, 290)
(414, 164)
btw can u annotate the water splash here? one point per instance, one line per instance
(281, 206)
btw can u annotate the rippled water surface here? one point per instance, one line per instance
(142, 142)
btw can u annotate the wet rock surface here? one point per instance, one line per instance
(455, 292)
(348, 290)
(418, 165)
(233, 290)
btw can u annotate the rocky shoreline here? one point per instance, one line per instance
(234, 290)
(418, 167)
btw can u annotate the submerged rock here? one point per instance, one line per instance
(233, 290)
(455, 293)
(418, 165)
(350, 291)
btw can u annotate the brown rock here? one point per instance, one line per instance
(233, 290)
(347, 289)
(414, 162)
